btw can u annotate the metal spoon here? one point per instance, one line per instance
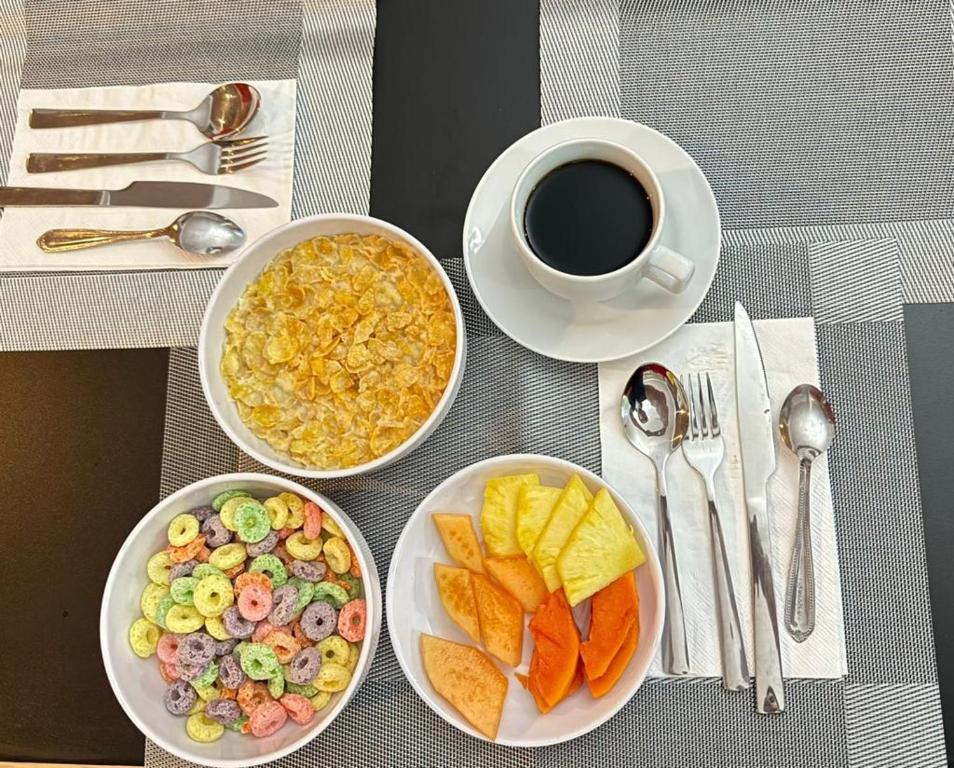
(655, 413)
(807, 425)
(224, 112)
(198, 232)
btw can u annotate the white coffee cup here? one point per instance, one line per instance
(662, 265)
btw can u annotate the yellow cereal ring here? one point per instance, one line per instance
(229, 508)
(144, 637)
(151, 597)
(183, 619)
(332, 678)
(302, 548)
(158, 568)
(353, 658)
(199, 706)
(208, 692)
(337, 554)
(335, 650)
(320, 700)
(277, 512)
(212, 596)
(296, 510)
(201, 728)
(182, 530)
(328, 524)
(216, 627)
(228, 556)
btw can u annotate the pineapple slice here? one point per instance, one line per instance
(598, 551)
(456, 589)
(460, 541)
(498, 518)
(534, 505)
(569, 510)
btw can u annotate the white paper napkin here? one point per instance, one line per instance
(20, 227)
(788, 349)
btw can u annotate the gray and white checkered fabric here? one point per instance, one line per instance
(327, 44)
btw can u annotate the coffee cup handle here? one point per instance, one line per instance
(669, 269)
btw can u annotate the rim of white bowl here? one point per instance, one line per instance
(369, 582)
(437, 415)
(432, 699)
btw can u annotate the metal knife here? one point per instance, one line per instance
(757, 446)
(143, 194)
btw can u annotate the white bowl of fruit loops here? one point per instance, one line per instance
(332, 347)
(239, 617)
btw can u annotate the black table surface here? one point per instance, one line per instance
(454, 84)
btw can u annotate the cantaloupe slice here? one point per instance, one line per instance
(468, 679)
(534, 505)
(457, 594)
(603, 684)
(569, 510)
(600, 549)
(498, 517)
(556, 652)
(519, 578)
(460, 540)
(613, 611)
(501, 620)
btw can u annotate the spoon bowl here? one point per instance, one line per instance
(227, 110)
(204, 233)
(806, 422)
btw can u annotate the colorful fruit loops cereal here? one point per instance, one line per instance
(248, 641)
(340, 350)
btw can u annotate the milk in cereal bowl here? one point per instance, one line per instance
(332, 347)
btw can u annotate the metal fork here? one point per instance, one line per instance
(704, 450)
(213, 157)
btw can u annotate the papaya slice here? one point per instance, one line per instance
(556, 651)
(614, 609)
(602, 685)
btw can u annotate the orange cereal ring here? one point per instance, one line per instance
(298, 707)
(187, 552)
(203, 555)
(284, 645)
(351, 621)
(282, 554)
(312, 526)
(252, 695)
(284, 533)
(246, 727)
(262, 630)
(168, 671)
(252, 577)
(299, 634)
(254, 602)
(235, 570)
(267, 718)
(227, 693)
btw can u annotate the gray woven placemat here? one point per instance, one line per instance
(327, 44)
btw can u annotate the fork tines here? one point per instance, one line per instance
(703, 415)
(239, 154)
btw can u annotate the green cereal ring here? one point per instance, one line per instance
(203, 729)
(183, 619)
(207, 692)
(302, 548)
(306, 590)
(223, 497)
(302, 690)
(270, 565)
(207, 678)
(277, 512)
(144, 637)
(229, 508)
(259, 662)
(330, 593)
(216, 627)
(276, 686)
(296, 510)
(252, 522)
(237, 725)
(228, 555)
(158, 568)
(182, 588)
(213, 595)
(351, 584)
(320, 700)
(337, 554)
(182, 530)
(205, 569)
(162, 610)
(335, 650)
(151, 597)
(332, 678)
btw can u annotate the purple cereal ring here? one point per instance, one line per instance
(236, 625)
(318, 621)
(304, 666)
(225, 647)
(202, 513)
(230, 672)
(179, 697)
(182, 569)
(223, 711)
(197, 649)
(313, 572)
(189, 671)
(264, 546)
(283, 605)
(216, 534)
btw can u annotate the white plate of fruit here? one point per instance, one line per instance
(525, 600)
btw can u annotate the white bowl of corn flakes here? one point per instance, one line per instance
(332, 347)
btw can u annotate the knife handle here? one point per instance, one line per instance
(44, 162)
(769, 686)
(675, 650)
(50, 196)
(65, 118)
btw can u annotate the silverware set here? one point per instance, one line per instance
(660, 414)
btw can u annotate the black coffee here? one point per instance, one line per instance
(588, 218)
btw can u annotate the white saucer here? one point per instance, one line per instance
(590, 333)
